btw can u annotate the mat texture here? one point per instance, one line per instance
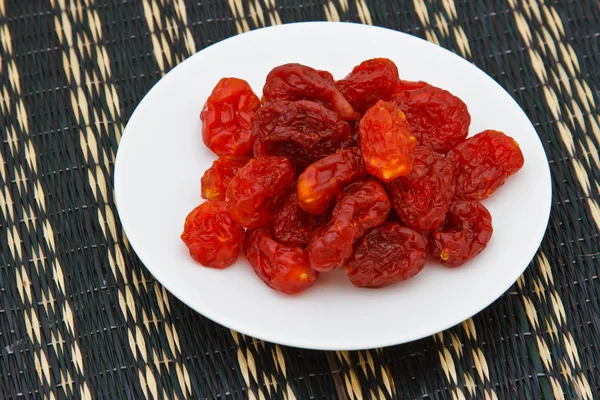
(80, 317)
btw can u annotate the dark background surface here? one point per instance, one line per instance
(81, 317)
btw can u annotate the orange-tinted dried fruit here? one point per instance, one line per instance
(322, 181)
(386, 142)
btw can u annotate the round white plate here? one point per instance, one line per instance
(162, 158)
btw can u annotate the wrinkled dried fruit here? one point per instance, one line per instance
(322, 181)
(483, 162)
(252, 193)
(371, 80)
(299, 82)
(215, 180)
(291, 225)
(227, 118)
(386, 142)
(211, 236)
(282, 268)
(422, 198)
(362, 206)
(302, 131)
(437, 118)
(465, 233)
(386, 254)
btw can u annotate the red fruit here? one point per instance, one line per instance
(483, 162)
(211, 236)
(299, 82)
(386, 142)
(302, 131)
(422, 198)
(371, 80)
(291, 225)
(465, 233)
(322, 181)
(254, 191)
(386, 254)
(282, 268)
(437, 118)
(227, 118)
(362, 206)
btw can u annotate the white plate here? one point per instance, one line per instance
(161, 159)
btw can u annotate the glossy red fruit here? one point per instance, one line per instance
(227, 118)
(299, 82)
(437, 118)
(291, 225)
(387, 254)
(211, 236)
(386, 142)
(254, 191)
(362, 206)
(302, 131)
(323, 180)
(215, 180)
(465, 233)
(371, 80)
(422, 198)
(483, 162)
(282, 268)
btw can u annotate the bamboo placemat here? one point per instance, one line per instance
(80, 317)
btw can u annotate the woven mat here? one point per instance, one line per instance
(81, 317)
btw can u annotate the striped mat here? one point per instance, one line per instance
(80, 317)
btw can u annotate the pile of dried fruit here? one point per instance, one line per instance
(368, 173)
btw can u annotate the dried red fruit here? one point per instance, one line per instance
(292, 226)
(483, 162)
(302, 131)
(282, 268)
(387, 254)
(211, 236)
(256, 187)
(386, 142)
(465, 233)
(215, 180)
(299, 82)
(322, 181)
(437, 118)
(227, 118)
(422, 198)
(362, 206)
(371, 80)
